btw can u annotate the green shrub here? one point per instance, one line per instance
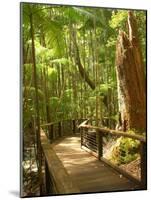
(126, 151)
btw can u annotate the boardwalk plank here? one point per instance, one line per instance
(89, 174)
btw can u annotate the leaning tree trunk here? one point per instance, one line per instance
(78, 62)
(131, 78)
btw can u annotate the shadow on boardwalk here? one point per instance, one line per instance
(89, 174)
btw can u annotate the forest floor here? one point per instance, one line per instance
(132, 168)
(30, 174)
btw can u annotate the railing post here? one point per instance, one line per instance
(47, 181)
(81, 135)
(74, 126)
(59, 129)
(100, 144)
(63, 128)
(143, 165)
(49, 131)
(51, 136)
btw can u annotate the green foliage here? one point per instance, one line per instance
(67, 92)
(43, 54)
(116, 23)
(141, 25)
(126, 151)
(54, 102)
(52, 74)
(84, 13)
(103, 89)
(118, 19)
(55, 37)
(62, 60)
(111, 42)
(31, 91)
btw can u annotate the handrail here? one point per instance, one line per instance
(55, 130)
(114, 132)
(83, 123)
(51, 123)
(103, 130)
(89, 140)
(95, 139)
(48, 124)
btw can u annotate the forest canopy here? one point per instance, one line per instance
(75, 60)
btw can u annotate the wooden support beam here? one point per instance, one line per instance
(143, 153)
(100, 145)
(60, 129)
(51, 136)
(47, 180)
(74, 126)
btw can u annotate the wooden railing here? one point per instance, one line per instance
(92, 140)
(57, 180)
(55, 177)
(59, 129)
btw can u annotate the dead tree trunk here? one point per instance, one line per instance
(131, 78)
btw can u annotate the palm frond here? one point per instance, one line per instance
(55, 38)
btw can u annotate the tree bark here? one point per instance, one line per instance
(131, 78)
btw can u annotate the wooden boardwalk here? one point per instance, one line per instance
(87, 172)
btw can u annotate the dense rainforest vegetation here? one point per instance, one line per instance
(69, 71)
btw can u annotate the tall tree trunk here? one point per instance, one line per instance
(36, 102)
(131, 78)
(59, 80)
(82, 71)
(92, 54)
(96, 73)
(74, 88)
(45, 83)
(47, 100)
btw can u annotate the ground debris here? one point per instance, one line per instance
(133, 168)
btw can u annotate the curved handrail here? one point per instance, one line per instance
(103, 130)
